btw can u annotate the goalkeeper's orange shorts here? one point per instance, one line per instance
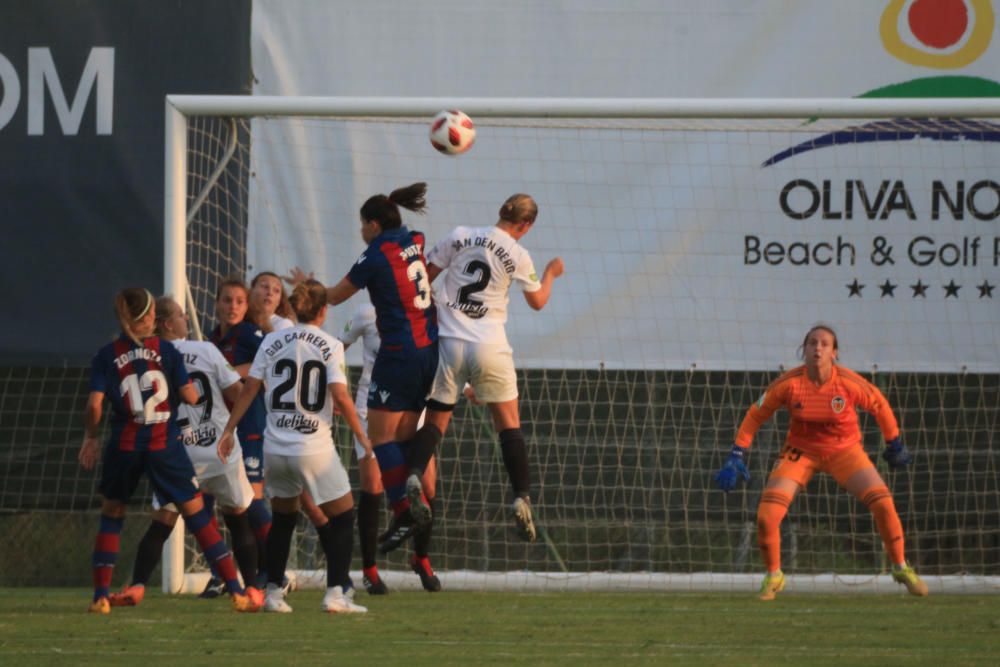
(800, 466)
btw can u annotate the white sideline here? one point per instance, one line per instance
(638, 582)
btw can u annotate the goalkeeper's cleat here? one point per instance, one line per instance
(907, 576)
(99, 606)
(522, 519)
(337, 602)
(401, 529)
(420, 510)
(129, 597)
(428, 579)
(373, 582)
(772, 585)
(274, 600)
(213, 589)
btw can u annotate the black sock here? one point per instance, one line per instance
(147, 555)
(369, 514)
(279, 543)
(244, 545)
(515, 459)
(422, 540)
(337, 538)
(421, 448)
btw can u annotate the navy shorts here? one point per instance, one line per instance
(169, 471)
(402, 379)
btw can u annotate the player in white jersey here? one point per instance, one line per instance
(301, 369)
(269, 303)
(481, 266)
(362, 327)
(201, 426)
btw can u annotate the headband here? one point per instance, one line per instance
(149, 302)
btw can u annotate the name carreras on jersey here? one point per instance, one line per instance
(319, 342)
(489, 245)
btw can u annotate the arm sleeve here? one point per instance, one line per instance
(98, 378)
(336, 368)
(873, 401)
(178, 372)
(525, 275)
(361, 272)
(259, 366)
(760, 412)
(225, 374)
(442, 253)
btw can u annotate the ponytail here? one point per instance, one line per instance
(131, 305)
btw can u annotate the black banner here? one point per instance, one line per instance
(81, 154)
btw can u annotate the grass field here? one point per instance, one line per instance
(49, 627)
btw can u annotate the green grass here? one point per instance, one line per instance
(49, 626)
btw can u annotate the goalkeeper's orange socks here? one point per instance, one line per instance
(105, 554)
(883, 509)
(770, 513)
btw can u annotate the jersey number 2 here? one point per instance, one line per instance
(132, 387)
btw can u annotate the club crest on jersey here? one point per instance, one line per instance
(838, 404)
(252, 462)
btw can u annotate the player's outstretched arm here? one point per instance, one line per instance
(896, 454)
(539, 298)
(345, 406)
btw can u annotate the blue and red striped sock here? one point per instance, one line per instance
(259, 514)
(206, 530)
(392, 464)
(106, 554)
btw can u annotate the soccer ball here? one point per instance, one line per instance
(452, 132)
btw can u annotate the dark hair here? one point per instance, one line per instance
(519, 208)
(818, 327)
(131, 305)
(307, 299)
(385, 210)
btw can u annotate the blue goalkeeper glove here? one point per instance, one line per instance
(732, 470)
(896, 454)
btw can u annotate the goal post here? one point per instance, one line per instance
(702, 237)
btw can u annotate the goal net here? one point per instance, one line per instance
(701, 240)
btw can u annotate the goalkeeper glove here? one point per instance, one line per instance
(732, 470)
(896, 454)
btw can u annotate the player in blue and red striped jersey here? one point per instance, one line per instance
(143, 377)
(238, 337)
(394, 272)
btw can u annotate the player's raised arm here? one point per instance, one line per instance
(251, 386)
(540, 297)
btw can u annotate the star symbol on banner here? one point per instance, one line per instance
(888, 288)
(919, 289)
(951, 289)
(855, 288)
(986, 290)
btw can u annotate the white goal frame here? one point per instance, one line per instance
(178, 108)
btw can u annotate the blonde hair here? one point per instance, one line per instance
(519, 208)
(308, 298)
(166, 307)
(131, 305)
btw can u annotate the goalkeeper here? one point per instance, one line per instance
(823, 436)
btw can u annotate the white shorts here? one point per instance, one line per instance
(322, 474)
(231, 490)
(488, 367)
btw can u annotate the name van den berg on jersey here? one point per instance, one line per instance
(801, 199)
(492, 246)
(317, 341)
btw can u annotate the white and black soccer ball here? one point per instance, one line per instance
(452, 132)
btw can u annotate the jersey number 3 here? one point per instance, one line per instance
(416, 272)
